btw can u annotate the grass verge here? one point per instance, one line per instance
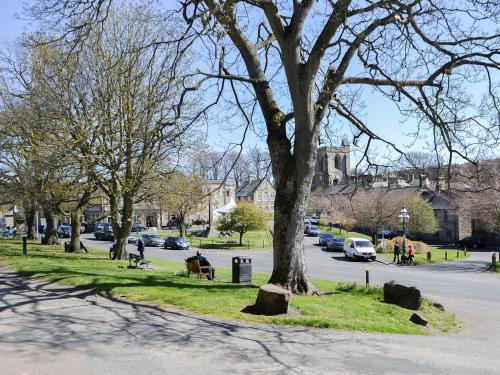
(437, 256)
(343, 305)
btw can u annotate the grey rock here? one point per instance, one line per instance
(402, 295)
(418, 318)
(271, 300)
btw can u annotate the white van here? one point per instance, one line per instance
(359, 248)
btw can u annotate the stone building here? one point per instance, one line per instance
(332, 166)
(259, 192)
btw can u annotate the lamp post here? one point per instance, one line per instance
(404, 218)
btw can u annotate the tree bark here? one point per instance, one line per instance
(241, 238)
(30, 222)
(182, 225)
(74, 245)
(122, 224)
(50, 237)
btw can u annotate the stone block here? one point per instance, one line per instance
(271, 300)
(402, 295)
(418, 318)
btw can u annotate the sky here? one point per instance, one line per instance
(380, 115)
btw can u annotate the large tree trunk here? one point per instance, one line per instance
(122, 224)
(182, 225)
(293, 177)
(74, 244)
(30, 222)
(50, 237)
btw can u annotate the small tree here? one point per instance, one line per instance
(244, 218)
(422, 219)
(182, 196)
(347, 224)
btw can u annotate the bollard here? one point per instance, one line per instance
(446, 255)
(200, 244)
(494, 261)
(429, 256)
(248, 244)
(25, 246)
(263, 244)
(457, 254)
(367, 276)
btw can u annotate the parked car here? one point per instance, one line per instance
(132, 239)
(314, 220)
(198, 222)
(64, 231)
(324, 238)
(386, 233)
(469, 242)
(176, 243)
(335, 244)
(358, 249)
(313, 231)
(138, 228)
(307, 224)
(152, 240)
(103, 231)
(171, 223)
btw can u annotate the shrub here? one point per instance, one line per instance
(418, 246)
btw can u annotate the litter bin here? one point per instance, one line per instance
(242, 270)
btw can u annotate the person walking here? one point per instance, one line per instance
(397, 252)
(140, 247)
(410, 255)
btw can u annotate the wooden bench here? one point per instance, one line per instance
(138, 260)
(194, 267)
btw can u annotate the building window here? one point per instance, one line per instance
(445, 216)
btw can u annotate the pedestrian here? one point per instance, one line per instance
(397, 251)
(82, 246)
(140, 247)
(410, 255)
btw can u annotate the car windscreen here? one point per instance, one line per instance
(313, 227)
(363, 244)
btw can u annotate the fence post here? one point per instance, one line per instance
(429, 256)
(367, 276)
(25, 246)
(248, 244)
(494, 261)
(263, 244)
(457, 254)
(446, 255)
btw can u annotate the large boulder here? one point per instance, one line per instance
(271, 300)
(402, 295)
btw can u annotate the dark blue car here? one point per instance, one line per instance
(324, 238)
(176, 243)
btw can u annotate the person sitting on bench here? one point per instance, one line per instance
(203, 263)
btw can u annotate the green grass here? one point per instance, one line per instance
(343, 305)
(438, 256)
(338, 233)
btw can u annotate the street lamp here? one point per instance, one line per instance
(404, 218)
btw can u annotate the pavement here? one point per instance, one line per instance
(49, 329)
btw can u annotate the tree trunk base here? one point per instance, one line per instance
(299, 285)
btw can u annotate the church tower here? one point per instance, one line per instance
(332, 166)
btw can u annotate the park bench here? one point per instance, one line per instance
(138, 260)
(194, 267)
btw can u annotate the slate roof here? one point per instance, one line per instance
(247, 188)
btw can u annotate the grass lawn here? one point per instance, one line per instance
(344, 305)
(338, 233)
(251, 240)
(438, 256)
